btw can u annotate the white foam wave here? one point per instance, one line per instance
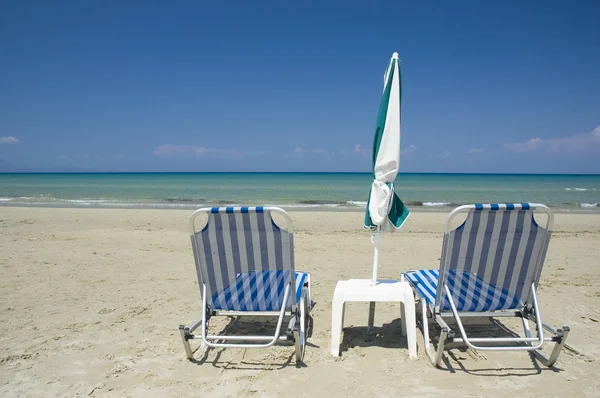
(5, 199)
(84, 201)
(576, 189)
(436, 203)
(356, 203)
(589, 205)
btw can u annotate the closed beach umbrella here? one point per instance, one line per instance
(385, 211)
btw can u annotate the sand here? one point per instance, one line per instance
(90, 302)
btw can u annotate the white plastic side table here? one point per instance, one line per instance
(384, 290)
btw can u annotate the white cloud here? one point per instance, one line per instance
(173, 150)
(298, 152)
(527, 146)
(475, 150)
(570, 144)
(359, 150)
(445, 154)
(8, 140)
(409, 149)
(315, 152)
(169, 150)
(321, 152)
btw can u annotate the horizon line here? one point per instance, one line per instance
(286, 172)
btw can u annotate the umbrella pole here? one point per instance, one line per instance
(376, 241)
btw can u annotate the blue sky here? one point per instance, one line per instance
(510, 86)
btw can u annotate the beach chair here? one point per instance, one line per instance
(245, 267)
(490, 267)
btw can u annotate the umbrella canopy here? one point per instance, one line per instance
(385, 211)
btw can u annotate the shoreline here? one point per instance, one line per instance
(289, 208)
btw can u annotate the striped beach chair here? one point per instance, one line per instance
(490, 267)
(245, 267)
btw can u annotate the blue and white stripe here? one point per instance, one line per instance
(244, 259)
(244, 293)
(490, 261)
(470, 292)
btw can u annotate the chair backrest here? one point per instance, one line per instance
(244, 258)
(492, 259)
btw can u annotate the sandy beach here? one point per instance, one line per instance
(90, 302)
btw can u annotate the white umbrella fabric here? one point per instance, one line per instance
(385, 211)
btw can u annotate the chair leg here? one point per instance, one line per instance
(183, 331)
(558, 346)
(425, 326)
(309, 297)
(300, 333)
(435, 357)
(298, 345)
(426, 341)
(526, 329)
(560, 336)
(440, 349)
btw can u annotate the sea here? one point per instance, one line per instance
(301, 191)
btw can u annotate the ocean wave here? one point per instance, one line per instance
(435, 204)
(196, 200)
(321, 202)
(356, 203)
(184, 200)
(418, 203)
(191, 203)
(577, 189)
(222, 201)
(297, 206)
(85, 201)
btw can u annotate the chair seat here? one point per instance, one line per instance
(470, 292)
(258, 291)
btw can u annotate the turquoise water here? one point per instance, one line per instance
(343, 191)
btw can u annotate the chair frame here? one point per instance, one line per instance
(299, 312)
(529, 312)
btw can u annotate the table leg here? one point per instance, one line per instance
(411, 323)
(337, 323)
(371, 318)
(402, 319)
